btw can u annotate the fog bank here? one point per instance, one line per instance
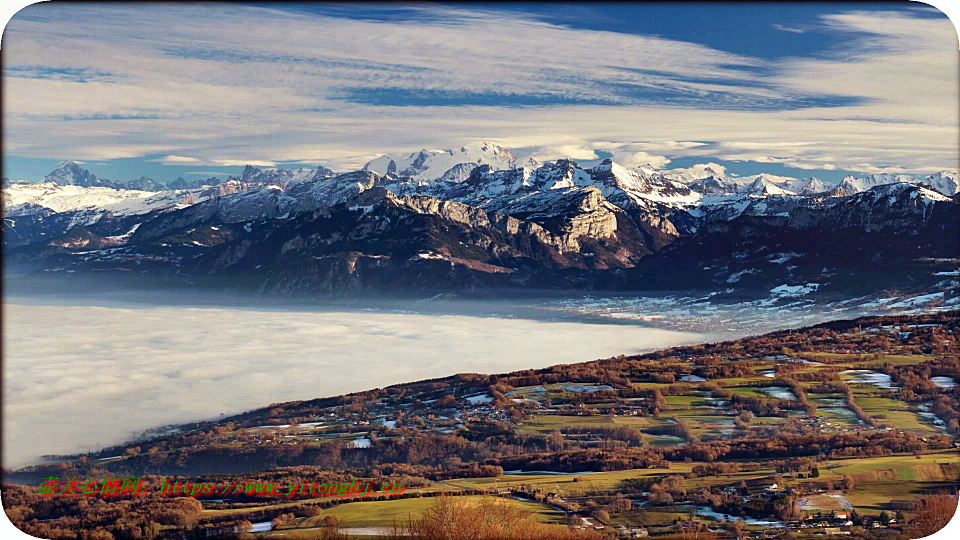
(75, 377)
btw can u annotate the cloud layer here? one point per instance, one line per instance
(221, 84)
(79, 376)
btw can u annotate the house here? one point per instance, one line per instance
(841, 515)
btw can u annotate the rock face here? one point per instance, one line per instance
(458, 173)
(145, 184)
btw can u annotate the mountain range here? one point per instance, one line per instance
(480, 218)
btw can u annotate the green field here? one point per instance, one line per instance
(892, 412)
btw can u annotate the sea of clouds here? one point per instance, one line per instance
(79, 377)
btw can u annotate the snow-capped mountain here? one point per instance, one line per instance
(481, 224)
(945, 182)
(808, 186)
(492, 219)
(493, 181)
(761, 187)
(714, 185)
(624, 186)
(282, 177)
(851, 185)
(69, 173)
(145, 184)
(27, 198)
(489, 187)
(429, 165)
(697, 172)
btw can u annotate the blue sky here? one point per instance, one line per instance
(797, 89)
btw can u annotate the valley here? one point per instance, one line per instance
(847, 424)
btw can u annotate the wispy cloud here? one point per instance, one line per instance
(176, 160)
(791, 29)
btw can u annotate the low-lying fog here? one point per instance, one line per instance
(83, 375)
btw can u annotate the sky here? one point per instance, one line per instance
(197, 90)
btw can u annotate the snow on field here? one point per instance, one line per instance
(263, 526)
(917, 300)
(480, 398)
(576, 388)
(865, 376)
(735, 277)
(825, 501)
(841, 411)
(879, 302)
(944, 382)
(779, 393)
(361, 443)
(709, 513)
(692, 378)
(783, 257)
(794, 290)
(428, 255)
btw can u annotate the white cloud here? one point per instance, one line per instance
(635, 159)
(176, 160)
(699, 170)
(571, 151)
(242, 162)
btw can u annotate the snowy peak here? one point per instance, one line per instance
(432, 165)
(714, 185)
(382, 165)
(488, 148)
(283, 178)
(851, 185)
(69, 173)
(761, 187)
(901, 193)
(459, 172)
(145, 184)
(813, 186)
(946, 182)
(628, 187)
(563, 173)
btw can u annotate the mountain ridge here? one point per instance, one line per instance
(483, 225)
